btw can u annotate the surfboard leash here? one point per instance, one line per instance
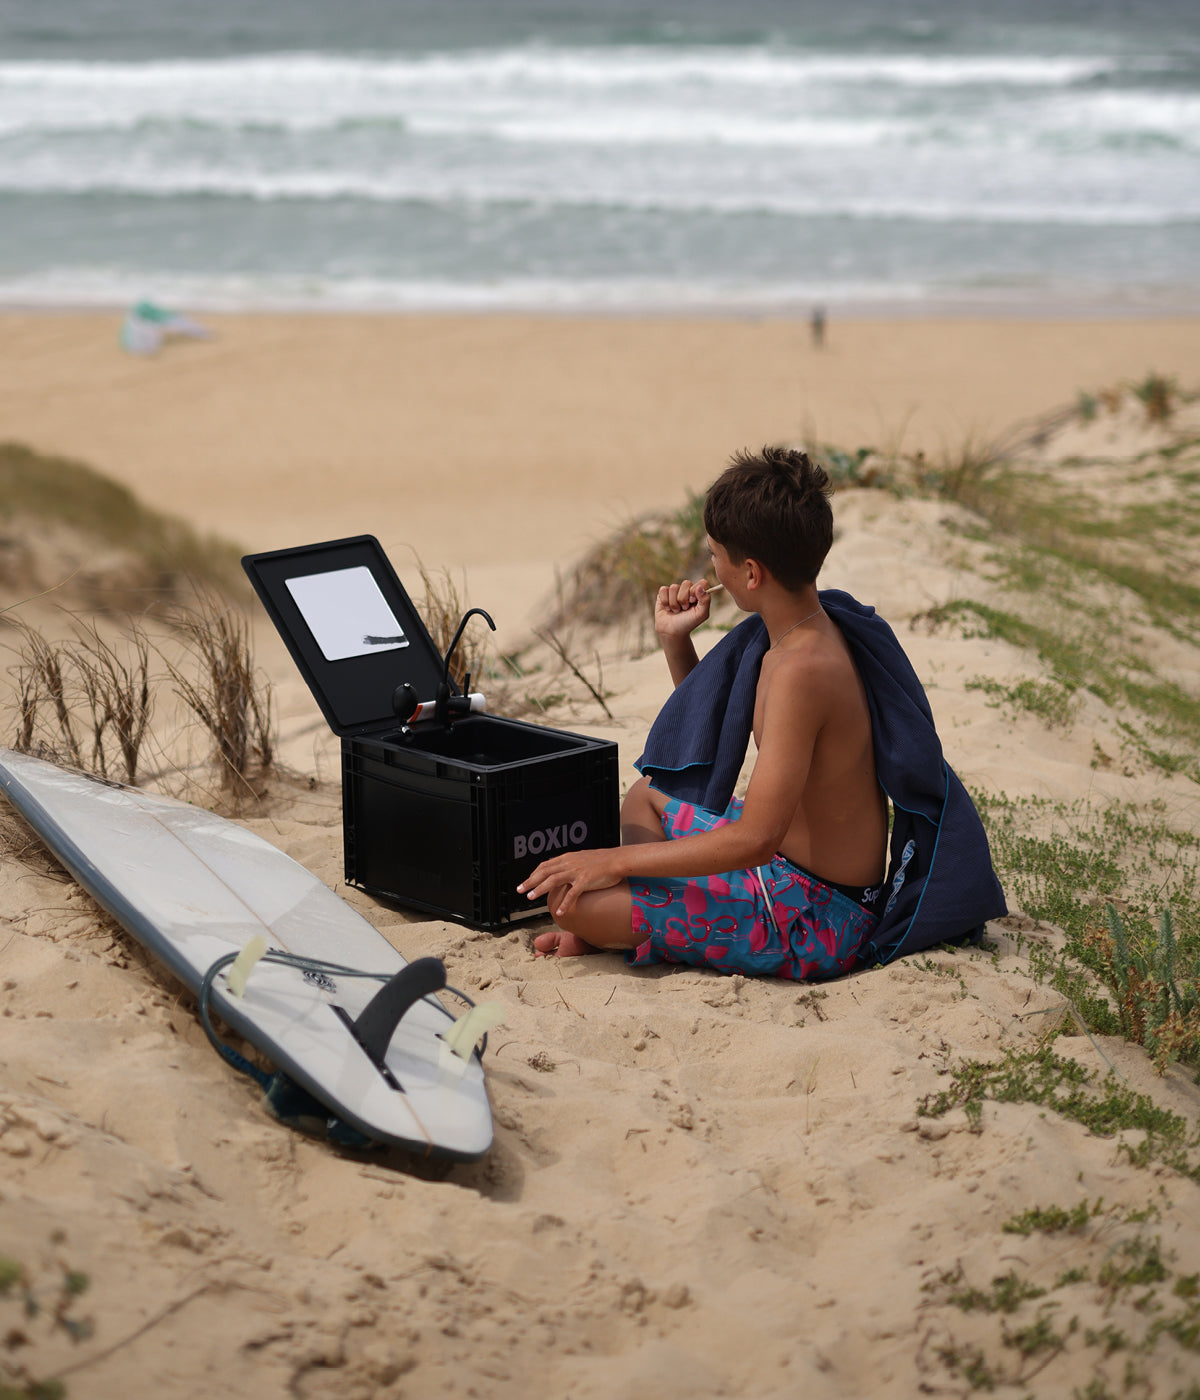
(287, 1100)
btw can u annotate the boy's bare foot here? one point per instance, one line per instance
(558, 944)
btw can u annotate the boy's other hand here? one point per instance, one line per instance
(680, 608)
(573, 874)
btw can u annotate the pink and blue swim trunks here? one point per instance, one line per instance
(776, 920)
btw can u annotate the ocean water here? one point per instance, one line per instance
(618, 154)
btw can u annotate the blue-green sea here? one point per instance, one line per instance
(617, 154)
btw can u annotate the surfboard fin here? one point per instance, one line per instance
(243, 965)
(383, 1013)
(465, 1032)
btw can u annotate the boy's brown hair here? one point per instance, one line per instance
(774, 507)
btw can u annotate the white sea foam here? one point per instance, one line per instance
(112, 288)
(307, 91)
(975, 184)
(602, 164)
(101, 287)
(718, 129)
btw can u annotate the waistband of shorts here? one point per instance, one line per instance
(867, 896)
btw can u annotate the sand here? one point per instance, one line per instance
(504, 445)
(699, 1186)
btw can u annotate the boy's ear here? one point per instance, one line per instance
(755, 573)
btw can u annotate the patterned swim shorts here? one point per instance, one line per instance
(807, 930)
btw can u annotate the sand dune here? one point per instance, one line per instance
(505, 445)
(700, 1186)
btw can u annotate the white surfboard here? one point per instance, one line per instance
(193, 888)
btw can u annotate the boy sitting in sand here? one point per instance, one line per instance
(788, 881)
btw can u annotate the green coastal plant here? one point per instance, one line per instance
(1040, 1076)
(1117, 1268)
(1050, 701)
(1085, 655)
(850, 469)
(1052, 1220)
(1158, 396)
(1156, 994)
(30, 1306)
(1124, 888)
(1151, 1315)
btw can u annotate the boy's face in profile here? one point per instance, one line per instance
(724, 569)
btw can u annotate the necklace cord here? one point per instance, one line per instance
(793, 627)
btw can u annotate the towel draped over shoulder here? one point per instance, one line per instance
(940, 883)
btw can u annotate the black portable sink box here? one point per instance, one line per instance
(446, 819)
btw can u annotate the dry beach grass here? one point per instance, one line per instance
(946, 1176)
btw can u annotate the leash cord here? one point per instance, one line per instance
(314, 965)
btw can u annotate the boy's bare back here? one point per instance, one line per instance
(839, 830)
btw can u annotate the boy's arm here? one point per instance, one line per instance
(679, 609)
(794, 710)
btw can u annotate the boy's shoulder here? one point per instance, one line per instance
(819, 662)
(809, 653)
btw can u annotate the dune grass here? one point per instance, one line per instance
(1123, 886)
(1090, 1281)
(617, 580)
(224, 690)
(87, 702)
(442, 610)
(98, 694)
(18, 842)
(1096, 580)
(39, 487)
(1160, 722)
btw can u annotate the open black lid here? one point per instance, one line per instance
(350, 627)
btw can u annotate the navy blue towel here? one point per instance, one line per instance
(941, 885)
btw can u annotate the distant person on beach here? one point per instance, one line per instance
(788, 881)
(817, 323)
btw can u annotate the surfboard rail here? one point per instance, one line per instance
(193, 887)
